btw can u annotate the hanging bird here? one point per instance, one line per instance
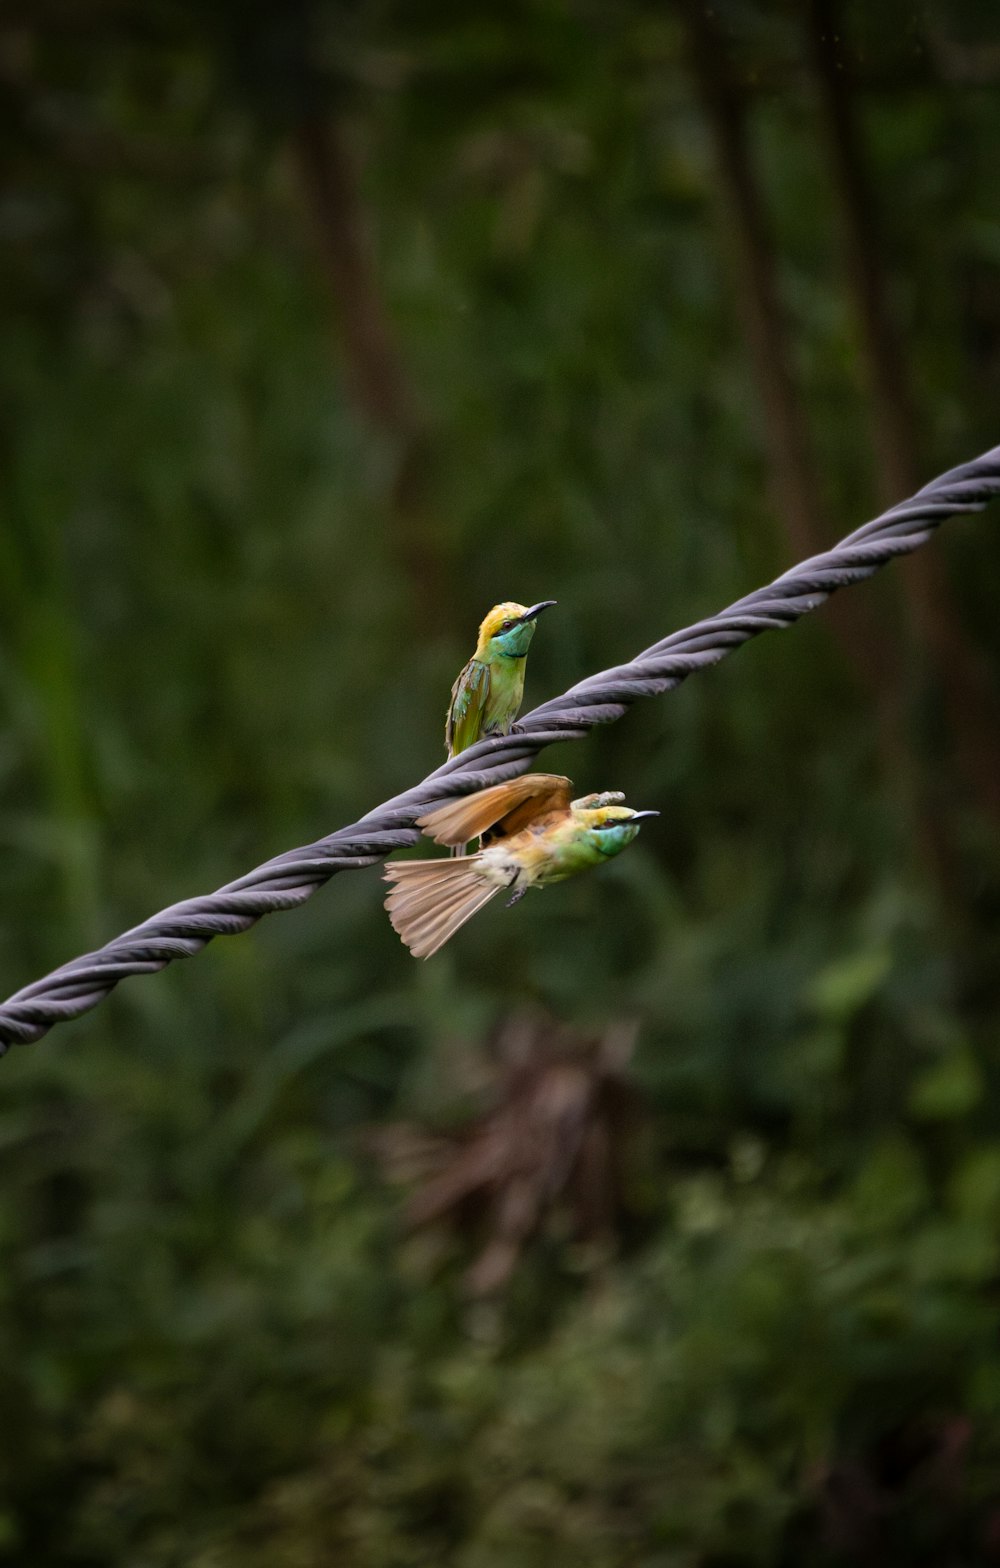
(487, 695)
(531, 834)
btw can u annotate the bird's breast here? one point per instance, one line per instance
(548, 851)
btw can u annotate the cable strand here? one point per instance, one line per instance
(288, 879)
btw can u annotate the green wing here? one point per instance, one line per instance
(468, 704)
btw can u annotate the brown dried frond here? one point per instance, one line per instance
(552, 1140)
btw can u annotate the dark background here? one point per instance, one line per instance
(655, 1224)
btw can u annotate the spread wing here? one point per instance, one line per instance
(463, 726)
(504, 809)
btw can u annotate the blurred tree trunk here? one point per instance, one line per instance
(894, 414)
(795, 479)
(374, 364)
(972, 708)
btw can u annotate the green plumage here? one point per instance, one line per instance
(486, 698)
(532, 834)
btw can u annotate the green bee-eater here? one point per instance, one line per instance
(486, 698)
(531, 834)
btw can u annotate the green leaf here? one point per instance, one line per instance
(891, 1186)
(840, 990)
(951, 1088)
(974, 1189)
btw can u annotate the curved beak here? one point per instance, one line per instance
(637, 814)
(536, 609)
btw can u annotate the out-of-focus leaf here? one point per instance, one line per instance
(951, 1088)
(843, 988)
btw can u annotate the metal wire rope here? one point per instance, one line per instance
(289, 879)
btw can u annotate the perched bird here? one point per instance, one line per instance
(487, 695)
(531, 834)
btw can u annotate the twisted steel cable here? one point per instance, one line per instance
(291, 878)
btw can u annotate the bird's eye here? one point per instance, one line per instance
(508, 625)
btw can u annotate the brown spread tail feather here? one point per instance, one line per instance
(505, 807)
(432, 898)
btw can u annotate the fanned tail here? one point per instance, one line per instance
(432, 898)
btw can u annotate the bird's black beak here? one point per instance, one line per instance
(637, 814)
(536, 609)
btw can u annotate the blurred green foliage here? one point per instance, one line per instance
(226, 631)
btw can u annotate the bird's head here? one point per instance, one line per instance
(609, 829)
(507, 630)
